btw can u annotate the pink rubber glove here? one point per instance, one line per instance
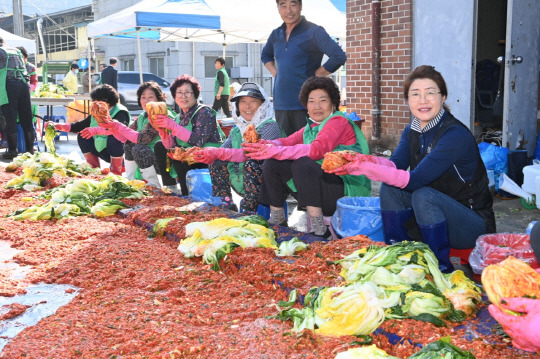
(123, 133)
(165, 122)
(368, 158)
(90, 132)
(524, 329)
(64, 127)
(279, 152)
(375, 172)
(271, 142)
(210, 154)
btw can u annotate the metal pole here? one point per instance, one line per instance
(140, 57)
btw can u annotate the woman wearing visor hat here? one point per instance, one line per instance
(228, 164)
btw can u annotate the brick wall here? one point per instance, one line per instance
(395, 59)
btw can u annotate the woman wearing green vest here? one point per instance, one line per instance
(140, 137)
(228, 164)
(96, 142)
(195, 125)
(293, 164)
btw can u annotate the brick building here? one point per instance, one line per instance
(386, 39)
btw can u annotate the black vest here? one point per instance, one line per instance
(473, 194)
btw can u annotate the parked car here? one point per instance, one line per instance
(129, 82)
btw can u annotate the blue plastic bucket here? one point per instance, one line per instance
(199, 184)
(358, 215)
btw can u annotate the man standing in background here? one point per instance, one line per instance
(70, 80)
(222, 88)
(110, 74)
(15, 99)
(298, 47)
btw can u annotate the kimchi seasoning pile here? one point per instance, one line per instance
(140, 298)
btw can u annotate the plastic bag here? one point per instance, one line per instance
(199, 185)
(358, 215)
(496, 247)
(495, 158)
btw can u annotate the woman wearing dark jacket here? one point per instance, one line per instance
(445, 191)
(96, 142)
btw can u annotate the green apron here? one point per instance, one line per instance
(100, 141)
(236, 169)
(226, 85)
(142, 121)
(3, 72)
(355, 186)
(189, 127)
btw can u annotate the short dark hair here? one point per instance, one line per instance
(1, 40)
(425, 72)
(113, 60)
(300, 1)
(320, 83)
(74, 66)
(23, 51)
(160, 95)
(221, 60)
(180, 80)
(105, 93)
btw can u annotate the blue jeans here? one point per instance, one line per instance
(431, 207)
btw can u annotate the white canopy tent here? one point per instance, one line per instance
(12, 40)
(218, 21)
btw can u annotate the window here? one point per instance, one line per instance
(210, 66)
(128, 65)
(157, 66)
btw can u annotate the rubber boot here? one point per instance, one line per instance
(436, 237)
(131, 168)
(150, 175)
(92, 160)
(12, 147)
(394, 225)
(117, 165)
(29, 140)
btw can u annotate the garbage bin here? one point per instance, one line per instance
(199, 184)
(358, 215)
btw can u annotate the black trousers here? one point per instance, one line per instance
(114, 147)
(291, 120)
(18, 94)
(315, 187)
(223, 103)
(180, 167)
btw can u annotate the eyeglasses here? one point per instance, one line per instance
(184, 94)
(429, 96)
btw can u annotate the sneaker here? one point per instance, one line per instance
(8, 155)
(327, 235)
(3, 144)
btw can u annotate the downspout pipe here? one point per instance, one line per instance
(376, 69)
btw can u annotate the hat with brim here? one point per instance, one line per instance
(535, 240)
(249, 89)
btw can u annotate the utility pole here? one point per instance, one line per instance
(18, 21)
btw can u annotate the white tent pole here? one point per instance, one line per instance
(193, 58)
(139, 54)
(224, 46)
(89, 65)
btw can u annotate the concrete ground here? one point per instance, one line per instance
(510, 215)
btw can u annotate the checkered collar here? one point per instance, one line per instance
(415, 125)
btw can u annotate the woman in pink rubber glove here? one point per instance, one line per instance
(294, 166)
(443, 199)
(228, 165)
(195, 125)
(96, 142)
(140, 137)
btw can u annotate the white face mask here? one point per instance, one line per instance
(76, 71)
